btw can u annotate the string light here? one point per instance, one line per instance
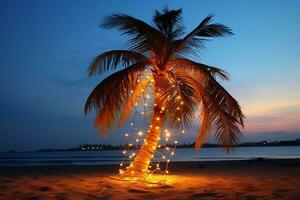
(164, 149)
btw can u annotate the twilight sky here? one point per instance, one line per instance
(46, 46)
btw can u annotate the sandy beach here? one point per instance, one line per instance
(252, 179)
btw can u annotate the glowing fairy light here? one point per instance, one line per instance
(164, 148)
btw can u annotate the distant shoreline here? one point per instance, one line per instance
(108, 147)
(105, 147)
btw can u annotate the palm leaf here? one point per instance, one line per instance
(135, 97)
(214, 71)
(205, 124)
(177, 95)
(143, 36)
(221, 109)
(169, 23)
(110, 60)
(109, 97)
(204, 29)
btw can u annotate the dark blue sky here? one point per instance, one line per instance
(46, 47)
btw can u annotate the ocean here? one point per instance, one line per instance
(116, 156)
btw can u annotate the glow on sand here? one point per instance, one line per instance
(150, 179)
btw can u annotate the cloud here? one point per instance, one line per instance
(285, 118)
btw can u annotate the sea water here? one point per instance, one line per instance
(115, 156)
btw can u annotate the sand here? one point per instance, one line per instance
(255, 179)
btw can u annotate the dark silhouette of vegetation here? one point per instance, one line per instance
(103, 147)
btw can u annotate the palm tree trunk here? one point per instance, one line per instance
(139, 166)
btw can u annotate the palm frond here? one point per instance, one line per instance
(203, 30)
(192, 47)
(206, 124)
(214, 30)
(144, 37)
(135, 97)
(110, 96)
(110, 60)
(177, 95)
(214, 71)
(224, 111)
(169, 22)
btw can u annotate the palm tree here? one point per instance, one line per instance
(183, 90)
